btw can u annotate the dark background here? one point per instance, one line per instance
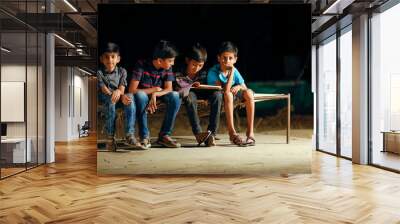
(274, 41)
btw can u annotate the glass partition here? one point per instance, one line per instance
(385, 88)
(346, 92)
(327, 95)
(22, 66)
(14, 153)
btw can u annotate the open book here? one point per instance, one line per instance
(207, 87)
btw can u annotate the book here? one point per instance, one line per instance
(207, 87)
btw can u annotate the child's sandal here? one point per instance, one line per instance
(202, 137)
(237, 140)
(250, 141)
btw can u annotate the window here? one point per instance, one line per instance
(327, 95)
(346, 92)
(22, 68)
(385, 86)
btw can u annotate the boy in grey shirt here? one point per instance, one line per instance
(112, 84)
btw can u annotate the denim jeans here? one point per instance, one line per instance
(215, 101)
(109, 110)
(173, 104)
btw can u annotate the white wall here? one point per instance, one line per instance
(15, 72)
(61, 103)
(33, 127)
(70, 83)
(80, 112)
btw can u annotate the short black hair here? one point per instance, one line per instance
(164, 49)
(228, 46)
(197, 52)
(109, 47)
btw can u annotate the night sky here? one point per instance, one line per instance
(274, 41)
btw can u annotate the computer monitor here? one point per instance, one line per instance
(3, 130)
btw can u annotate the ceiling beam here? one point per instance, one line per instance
(86, 27)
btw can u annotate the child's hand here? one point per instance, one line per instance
(126, 100)
(235, 89)
(229, 70)
(158, 89)
(196, 84)
(152, 106)
(115, 96)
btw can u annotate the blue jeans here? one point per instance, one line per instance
(173, 104)
(215, 101)
(109, 110)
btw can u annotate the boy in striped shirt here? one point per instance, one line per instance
(152, 80)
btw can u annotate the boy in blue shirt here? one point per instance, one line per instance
(227, 76)
(152, 80)
(191, 74)
(112, 84)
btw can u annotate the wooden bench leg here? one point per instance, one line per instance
(237, 118)
(288, 120)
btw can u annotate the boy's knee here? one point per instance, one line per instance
(130, 95)
(217, 96)
(141, 95)
(248, 94)
(174, 96)
(228, 96)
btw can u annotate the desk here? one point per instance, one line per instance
(391, 141)
(13, 150)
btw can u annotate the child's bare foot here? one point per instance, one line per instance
(237, 140)
(250, 141)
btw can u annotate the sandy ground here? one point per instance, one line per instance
(271, 155)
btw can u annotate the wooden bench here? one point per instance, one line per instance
(258, 97)
(204, 110)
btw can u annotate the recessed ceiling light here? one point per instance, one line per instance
(64, 40)
(70, 5)
(5, 50)
(84, 71)
(337, 6)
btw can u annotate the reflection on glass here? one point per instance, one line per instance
(31, 96)
(23, 90)
(385, 86)
(346, 94)
(41, 98)
(14, 153)
(327, 96)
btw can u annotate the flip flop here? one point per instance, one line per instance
(250, 141)
(203, 136)
(237, 140)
